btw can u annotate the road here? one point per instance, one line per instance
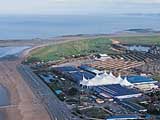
(57, 109)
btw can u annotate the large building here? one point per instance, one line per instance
(105, 79)
(88, 76)
(104, 84)
(74, 73)
(115, 91)
(136, 80)
(142, 82)
(107, 85)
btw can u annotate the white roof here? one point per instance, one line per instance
(105, 79)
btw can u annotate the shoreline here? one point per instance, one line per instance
(22, 99)
(35, 42)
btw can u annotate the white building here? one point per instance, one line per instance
(102, 57)
(105, 79)
(109, 79)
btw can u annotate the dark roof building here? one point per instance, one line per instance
(66, 69)
(133, 106)
(78, 76)
(140, 80)
(123, 117)
(74, 73)
(89, 69)
(116, 91)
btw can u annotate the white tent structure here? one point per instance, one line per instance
(105, 79)
(125, 82)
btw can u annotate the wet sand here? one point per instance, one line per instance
(4, 100)
(4, 96)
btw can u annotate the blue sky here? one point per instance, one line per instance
(78, 6)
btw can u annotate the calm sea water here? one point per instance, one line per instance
(11, 51)
(27, 27)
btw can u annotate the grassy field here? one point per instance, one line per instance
(156, 77)
(81, 47)
(140, 40)
(86, 47)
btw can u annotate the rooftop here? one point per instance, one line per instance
(123, 117)
(89, 69)
(140, 79)
(116, 90)
(67, 69)
(78, 75)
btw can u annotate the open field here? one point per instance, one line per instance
(87, 46)
(139, 40)
(156, 77)
(79, 47)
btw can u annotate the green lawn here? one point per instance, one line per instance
(140, 40)
(86, 47)
(156, 77)
(82, 47)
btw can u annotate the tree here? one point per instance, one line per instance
(72, 91)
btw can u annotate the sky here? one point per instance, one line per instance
(78, 6)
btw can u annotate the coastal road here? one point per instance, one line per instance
(57, 109)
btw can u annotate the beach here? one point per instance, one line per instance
(22, 103)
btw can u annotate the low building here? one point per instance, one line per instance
(124, 117)
(99, 101)
(78, 76)
(136, 80)
(142, 82)
(73, 73)
(65, 69)
(58, 92)
(102, 57)
(48, 78)
(90, 69)
(133, 106)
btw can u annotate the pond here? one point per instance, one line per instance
(138, 48)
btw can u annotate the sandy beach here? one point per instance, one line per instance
(23, 103)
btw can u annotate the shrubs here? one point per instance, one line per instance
(73, 91)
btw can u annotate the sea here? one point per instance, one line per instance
(28, 27)
(7, 52)
(47, 26)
